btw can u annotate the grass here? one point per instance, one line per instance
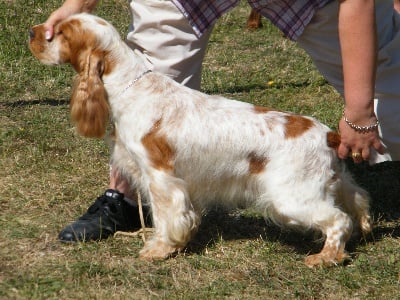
(50, 175)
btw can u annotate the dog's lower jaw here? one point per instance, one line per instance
(156, 249)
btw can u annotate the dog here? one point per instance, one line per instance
(254, 20)
(186, 151)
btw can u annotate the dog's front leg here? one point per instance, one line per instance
(174, 217)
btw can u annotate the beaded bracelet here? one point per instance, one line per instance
(361, 129)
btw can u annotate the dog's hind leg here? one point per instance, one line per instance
(335, 224)
(311, 204)
(174, 218)
(337, 227)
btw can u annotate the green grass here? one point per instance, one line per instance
(50, 175)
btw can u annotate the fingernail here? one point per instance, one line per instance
(47, 35)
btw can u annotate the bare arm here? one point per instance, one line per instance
(357, 36)
(68, 8)
(397, 5)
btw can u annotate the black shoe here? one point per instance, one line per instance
(108, 214)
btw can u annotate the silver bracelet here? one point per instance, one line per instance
(361, 129)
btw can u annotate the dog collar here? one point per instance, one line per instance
(135, 80)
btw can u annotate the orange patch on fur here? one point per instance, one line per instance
(296, 126)
(160, 152)
(329, 256)
(77, 44)
(256, 163)
(261, 109)
(333, 139)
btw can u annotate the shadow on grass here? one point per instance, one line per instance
(382, 181)
(219, 224)
(246, 88)
(22, 103)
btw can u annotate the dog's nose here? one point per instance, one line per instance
(31, 34)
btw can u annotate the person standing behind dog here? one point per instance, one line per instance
(354, 44)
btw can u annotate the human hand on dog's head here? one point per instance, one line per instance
(69, 8)
(54, 18)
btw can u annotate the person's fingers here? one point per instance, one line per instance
(49, 29)
(378, 146)
(365, 154)
(343, 151)
(56, 17)
(49, 33)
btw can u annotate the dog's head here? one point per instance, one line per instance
(86, 42)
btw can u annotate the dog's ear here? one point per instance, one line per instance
(89, 103)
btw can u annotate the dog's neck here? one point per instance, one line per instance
(130, 68)
(132, 82)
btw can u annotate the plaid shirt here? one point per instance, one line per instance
(290, 16)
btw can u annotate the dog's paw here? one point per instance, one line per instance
(324, 260)
(316, 260)
(157, 250)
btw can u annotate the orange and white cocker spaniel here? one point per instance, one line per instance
(185, 150)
